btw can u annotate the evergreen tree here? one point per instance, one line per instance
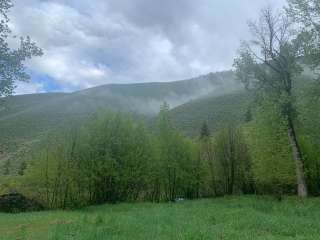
(7, 167)
(22, 167)
(205, 131)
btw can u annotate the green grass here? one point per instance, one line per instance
(225, 218)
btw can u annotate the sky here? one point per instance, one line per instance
(87, 43)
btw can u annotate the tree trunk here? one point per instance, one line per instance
(297, 156)
(231, 181)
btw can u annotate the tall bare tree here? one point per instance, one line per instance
(267, 65)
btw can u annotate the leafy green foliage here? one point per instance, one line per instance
(308, 132)
(272, 163)
(232, 162)
(12, 67)
(307, 13)
(179, 160)
(114, 159)
(107, 161)
(268, 65)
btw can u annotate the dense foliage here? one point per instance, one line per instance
(269, 147)
(269, 63)
(114, 158)
(307, 14)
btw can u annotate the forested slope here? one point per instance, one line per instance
(217, 111)
(26, 119)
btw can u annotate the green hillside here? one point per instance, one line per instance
(214, 98)
(217, 111)
(26, 119)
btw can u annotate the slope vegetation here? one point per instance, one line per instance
(26, 119)
(217, 111)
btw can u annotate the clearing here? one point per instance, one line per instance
(250, 217)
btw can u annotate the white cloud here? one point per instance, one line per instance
(28, 88)
(88, 43)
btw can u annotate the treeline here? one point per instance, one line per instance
(115, 158)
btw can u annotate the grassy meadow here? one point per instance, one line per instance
(223, 218)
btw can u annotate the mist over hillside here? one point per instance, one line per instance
(146, 98)
(29, 118)
(217, 111)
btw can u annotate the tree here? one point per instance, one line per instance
(248, 115)
(12, 68)
(7, 167)
(111, 159)
(267, 137)
(22, 168)
(179, 160)
(267, 66)
(206, 159)
(232, 160)
(205, 131)
(307, 14)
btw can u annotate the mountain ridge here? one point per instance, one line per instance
(29, 118)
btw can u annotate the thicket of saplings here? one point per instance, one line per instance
(115, 158)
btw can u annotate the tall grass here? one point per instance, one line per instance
(225, 218)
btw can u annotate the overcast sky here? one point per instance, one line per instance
(94, 42)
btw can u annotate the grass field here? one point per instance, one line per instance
(223, 218)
